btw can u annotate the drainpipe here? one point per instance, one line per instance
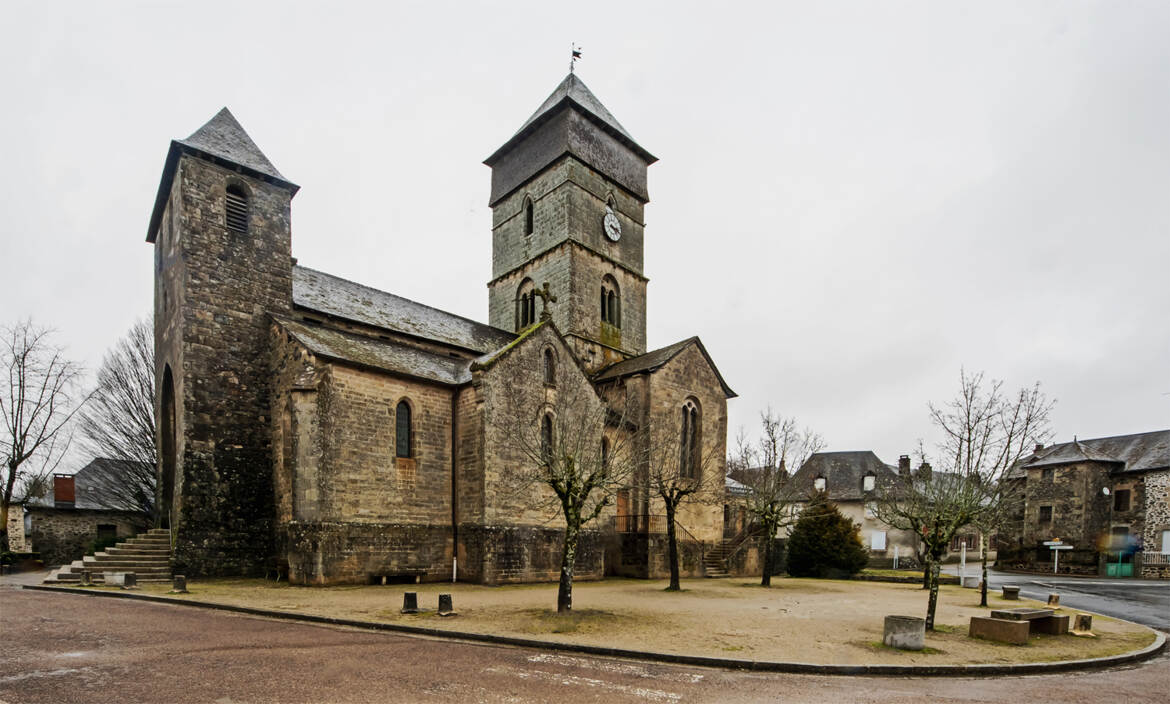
(454, 482)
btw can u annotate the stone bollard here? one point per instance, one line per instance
(410, 602)
(1054, 601)
(129, 581)
(1083, 625)
(179, 584)
(1011, 592)
(86, 578)
(905, 632)
(445, 606)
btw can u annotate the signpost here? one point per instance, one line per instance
(1056, 547)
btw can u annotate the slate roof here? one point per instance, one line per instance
(1140, 452)
(221, 139)
(224, 137)
(573, 91)
(89, 486)
(655, 359)
(844, 473)
(384, 355)
(324, 293)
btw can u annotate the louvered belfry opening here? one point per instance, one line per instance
(236, 209)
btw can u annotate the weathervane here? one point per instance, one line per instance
(576, 50)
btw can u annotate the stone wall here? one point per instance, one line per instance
(16, 537)
(1157, 521)
(360, 553)
(64, 535)
(689, 376)
(503, 554)
(214, 291)
(647, 556)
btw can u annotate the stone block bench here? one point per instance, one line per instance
(1015, 625)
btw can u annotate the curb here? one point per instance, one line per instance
(1146, 653)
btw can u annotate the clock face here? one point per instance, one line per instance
(613, 228)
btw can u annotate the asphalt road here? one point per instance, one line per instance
(70, 648)
(1144, 601)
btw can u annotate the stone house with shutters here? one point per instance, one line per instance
(1109, 498)
(852, 480)
(315, 426)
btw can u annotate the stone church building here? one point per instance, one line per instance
(314, 425)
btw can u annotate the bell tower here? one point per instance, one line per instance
(223, 263)
(568, 196)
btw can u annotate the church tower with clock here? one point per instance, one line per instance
(568, 194)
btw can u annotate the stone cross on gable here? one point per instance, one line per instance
(545, 298)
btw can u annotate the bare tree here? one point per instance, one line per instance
(763, 467)
(573, 456)
(680, 471)
(984, 434)
(36, 405)
(118, 423)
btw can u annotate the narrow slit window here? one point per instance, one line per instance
(236, 209)
(528, 219)
(402, 430)
(546, 438)
(550, 368)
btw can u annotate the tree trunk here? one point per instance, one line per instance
(4, 526)
(933, 602)
(568, 560)
(769, 539)
(672, 542)
(983, 559)
(926, 571)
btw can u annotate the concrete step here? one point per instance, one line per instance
(137, 552)
(122, 563)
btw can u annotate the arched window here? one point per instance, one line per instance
(169, 448)
(690, 441)
(867, 482)
(236, 209)
(525, 305)
(819, 483)
(403, 442)
(528, 220)
(546, 438)
(550, 368)
(611, 302)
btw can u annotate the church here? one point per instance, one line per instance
(313, 427)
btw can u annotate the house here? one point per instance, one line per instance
(1108, 498)
(314, 425)
(80, 510)
(853, 480)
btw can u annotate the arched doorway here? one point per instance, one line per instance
(169, 449)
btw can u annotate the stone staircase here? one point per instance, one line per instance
(715, 559)
(147, 555)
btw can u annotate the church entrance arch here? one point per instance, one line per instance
(169, 449)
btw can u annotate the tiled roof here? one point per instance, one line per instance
(332, 295)
(656, 359)
(1139, 452)
(384, 355)
(844, 473)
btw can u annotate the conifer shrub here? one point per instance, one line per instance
(824, 543)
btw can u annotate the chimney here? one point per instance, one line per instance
(63, 494)
(925, 470)
(904, 465)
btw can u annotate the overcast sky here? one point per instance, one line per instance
(853, 200)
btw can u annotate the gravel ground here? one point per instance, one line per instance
(797, 620)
